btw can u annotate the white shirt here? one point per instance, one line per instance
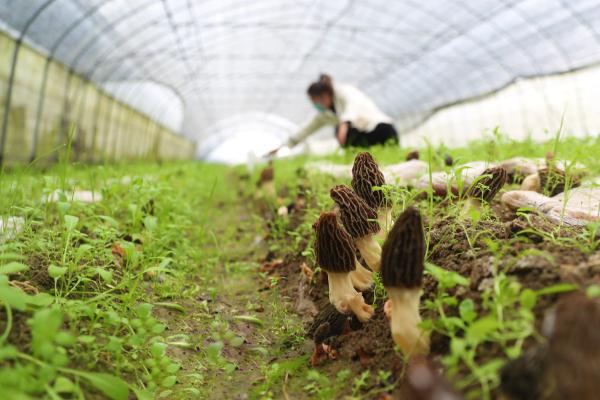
(351, 105)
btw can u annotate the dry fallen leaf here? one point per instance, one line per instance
(269, 266)
(306, 271)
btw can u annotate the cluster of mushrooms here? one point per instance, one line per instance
(363, 216)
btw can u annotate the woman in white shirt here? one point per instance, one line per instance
(357, 119)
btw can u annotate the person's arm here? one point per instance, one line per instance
(342, 133)
(317, 123)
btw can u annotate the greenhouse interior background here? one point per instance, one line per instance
(225, 80)
(300, 199)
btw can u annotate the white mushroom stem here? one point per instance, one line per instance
(531, 182)
(362, 278)
(268, 188)
(384, 217)
(370, 250)
(404, 321)
(345, 299)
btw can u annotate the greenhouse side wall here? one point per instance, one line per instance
(101, 128)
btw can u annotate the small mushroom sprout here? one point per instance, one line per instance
(402, 264)
(360, 221)
(366, 176)
(485, 188)
(335, 254)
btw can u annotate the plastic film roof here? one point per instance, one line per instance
(205, 61)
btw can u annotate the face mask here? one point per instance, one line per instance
(319, 107)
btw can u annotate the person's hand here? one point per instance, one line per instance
(342, 133)
(272, 152)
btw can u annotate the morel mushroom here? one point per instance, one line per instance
(335, 254)
(413, 155)
(549, 181)
(365, 176)
(360, 221)
(266, 182)
(402, 262)
(485, 187)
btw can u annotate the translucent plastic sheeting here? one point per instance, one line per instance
(224, 58)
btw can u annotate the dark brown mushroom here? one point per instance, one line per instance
(334, 251)
(366, 176)
(402, 263)
(488, 184)
(360, 221)
(413, 155)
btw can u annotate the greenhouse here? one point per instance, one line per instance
(307, 199)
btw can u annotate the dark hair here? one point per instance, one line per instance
(320, 87)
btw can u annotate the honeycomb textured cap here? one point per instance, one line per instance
(358, 218)
(365, 175)
(403, 253)
(334, 248)
(553, 181)
(488, 184)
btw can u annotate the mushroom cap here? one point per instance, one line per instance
(267, 174)
(358, 218)
(334, 248)
(413, 155)
(403, 253)
(448, 160)
(365, 175)
(488, 184)
(553, 181)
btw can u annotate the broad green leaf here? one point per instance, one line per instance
(113, 387)
(41, 299)
(150, 222)
(173, 368)
(8, 352)
(70, 222)
(171, 306)
(106, 275)
(56, 272)
(86, 339)
(558, 288)
(467, 310)
(8, 256)
(593, 291)
(250, 319)
(528, 299)
(64, 385)
(481, 328)
(169, 381)
(12, 268)
(14, 297)
(144, 310)
(158, 349)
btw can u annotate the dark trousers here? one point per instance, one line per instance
(382, 134)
